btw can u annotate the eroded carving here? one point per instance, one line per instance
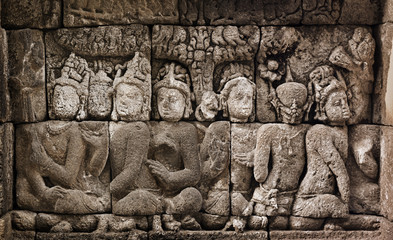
(61, 167)
(203, 48)
(327, 152)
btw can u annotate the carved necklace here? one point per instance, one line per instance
(57, 130)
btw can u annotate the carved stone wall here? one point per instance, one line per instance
(196, 119)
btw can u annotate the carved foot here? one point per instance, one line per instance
(62, 227)
(170, 223)
(157, 224)
(189, 223)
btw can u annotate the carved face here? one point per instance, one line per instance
(209, 105)
(336, 107)
(129, 101)
(240, 102)
(171, 104)
(100, 101)
(65, 102)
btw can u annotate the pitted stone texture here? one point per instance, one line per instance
(62, 167)
(335, 235)
(23, 235)
(4, 92)
(243, 143)
(5, 227)
(23, 220)
(363, 168)
(31, 13)
(99, 73)
(203, 49)
(205, 235)
(386, 174)
(89, 13)
(382, 99)
(27, 75)
(362, 12)
(225, 12)
(6, 166)
(291, 54)
(214, 153)
(92, 236)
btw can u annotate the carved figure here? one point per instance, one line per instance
(70, 91)
(209, 107)
(237, 99)
(100, 93)
(132, 90)
(282, 147)
(360, 77)
(63, 172)
(327, 148)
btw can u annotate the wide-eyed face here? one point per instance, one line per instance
(240, 102)
(171, 104)
(336, 107)
(65, 102)
(129, 101)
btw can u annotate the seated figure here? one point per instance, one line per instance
(60, 167)
(324, 191)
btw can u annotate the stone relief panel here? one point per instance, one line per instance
(201, 49)
(301, 54)
(99, 73)
(95, 12)
(62, 167)
(27, 75)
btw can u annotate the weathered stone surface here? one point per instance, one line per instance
(27, 75)
(386, 172)
(361, 12)
(203, 49)
(336, 235)
(387, 11)
(296, 54)
(214, 184)
(363, 168)
(111, 67)
(89, 13)
(4, 92)
(23, 220)
(205, 235)
(355, 222)
(31, 13)
(382, 99)
(61, 167)
(5, 227)
(92, 236)
(6, 167)
(243, 143)
(23, 235)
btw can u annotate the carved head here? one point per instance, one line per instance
(131, 98)
(208, 108)
(100, 95)
(290, 102)
(172, 93)
(65, 102)
(330, 96)
(237, 98)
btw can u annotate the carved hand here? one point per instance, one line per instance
(159, 170)
(54, 193)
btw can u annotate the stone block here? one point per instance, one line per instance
(5, 227)
(90, 13)
(23, 235)
(386, 172)
(342, 54)
(205, 235)
(4, 92)
(361, 12)
(334, 235)
(27, 75)
(89, 70)
(62, 167)
(387, 11)
(23, 220)
(41, 14)
(7, 165)
(217, 60)
(382, 97)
